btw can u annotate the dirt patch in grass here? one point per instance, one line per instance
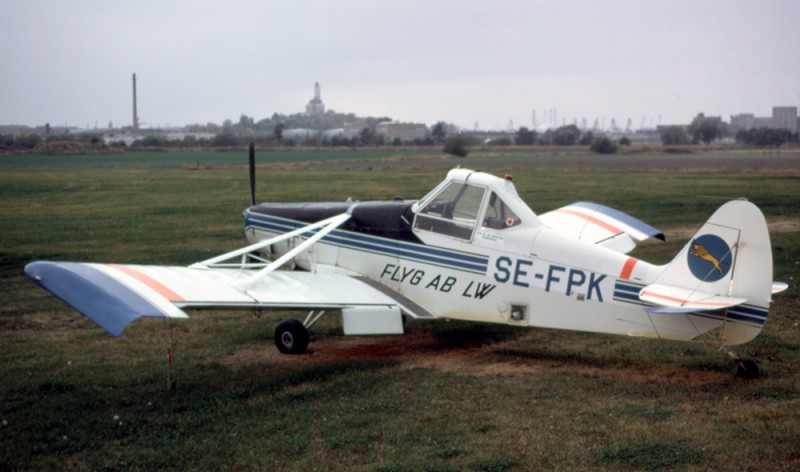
(338, 349)
(425, 350)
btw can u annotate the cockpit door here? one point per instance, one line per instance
(501, 228)
(453, 212)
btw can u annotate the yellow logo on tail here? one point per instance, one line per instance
(702, 253)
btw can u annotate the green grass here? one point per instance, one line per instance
(202, 159)
(447, 396)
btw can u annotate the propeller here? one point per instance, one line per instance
(252, 162)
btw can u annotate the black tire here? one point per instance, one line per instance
(291, 337)
(747, 369)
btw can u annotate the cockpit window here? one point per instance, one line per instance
(498, 215)
(454, 211)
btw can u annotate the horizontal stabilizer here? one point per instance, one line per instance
(601, 225)
(778, 287)
(672, 300)
(663, 310)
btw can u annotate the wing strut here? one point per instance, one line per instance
(332, 222)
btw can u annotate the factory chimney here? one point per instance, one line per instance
(135, 115)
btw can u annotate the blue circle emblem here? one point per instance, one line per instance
(709, 258)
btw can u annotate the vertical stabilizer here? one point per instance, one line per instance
(729, 258)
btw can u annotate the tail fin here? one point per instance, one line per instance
(724, 274)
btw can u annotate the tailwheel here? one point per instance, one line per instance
(744, 367)
(291, 337)
(747, 369)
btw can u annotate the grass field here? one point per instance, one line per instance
(175, 159)
(446, 396)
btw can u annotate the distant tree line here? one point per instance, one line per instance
(569, 135)
(279, 122)
(60, 143)
(21, 142)
(157, 140)
(232, 136)
(271, 132)
(708, 129)
(766, 137)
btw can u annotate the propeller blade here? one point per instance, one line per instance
(252, 162)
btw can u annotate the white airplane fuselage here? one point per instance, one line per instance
(522, 273)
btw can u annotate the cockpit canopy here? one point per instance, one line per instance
(467, 200)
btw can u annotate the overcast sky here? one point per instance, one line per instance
(464, 62)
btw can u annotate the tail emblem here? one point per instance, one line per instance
(702, 253)
(709, 258)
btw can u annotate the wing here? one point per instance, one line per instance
(601, 225)
(114, 295)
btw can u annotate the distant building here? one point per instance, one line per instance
(785, 118)
(782, 118)
(405, 132)
(182, 136)
(352, 130)
(742, 121)
(315, 105)
(300, 134)
(14, 129)
(402, 131)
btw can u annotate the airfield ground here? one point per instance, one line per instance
(446, 396)
(502, 161)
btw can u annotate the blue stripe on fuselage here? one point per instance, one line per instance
(624, 292)
(437, 256)
(749, 313)
(629, 293)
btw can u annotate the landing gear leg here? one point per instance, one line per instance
(744, 367)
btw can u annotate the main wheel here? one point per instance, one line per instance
(291, 337)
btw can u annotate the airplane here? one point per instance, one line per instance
(471, 249)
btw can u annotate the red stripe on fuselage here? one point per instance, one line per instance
(627, 269)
